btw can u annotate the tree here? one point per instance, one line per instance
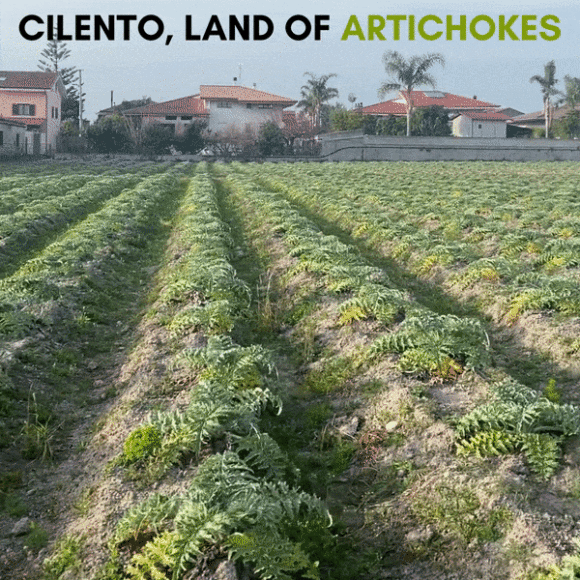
(111, 135)
(548, 87)
(51, 60)
(315, 94)
(407, 75)
(271, 140)
(431, 122)
(343, 120)
(193, 139)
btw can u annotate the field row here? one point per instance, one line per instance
(275, 378)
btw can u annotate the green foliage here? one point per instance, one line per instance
(111, 135)
(226, 503)
(156, 139)
(193, 139)
(157, 558)
(551, 392)
(344, 120)
(391, 126)
(429, 342)
(271, 140)
(272, 555)
(66, 556)
(519, 418)
(457, 511)
(37, 538)
(332, 376)
(430, 122)
(141, 443)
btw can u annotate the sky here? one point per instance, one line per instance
(494, 70)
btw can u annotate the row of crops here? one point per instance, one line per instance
(519, 236)
(271, 288)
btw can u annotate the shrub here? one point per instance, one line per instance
(111, 135)
(141, 443)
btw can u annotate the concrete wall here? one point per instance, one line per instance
(354, 146)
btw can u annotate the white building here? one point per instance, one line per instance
(480, 124)
(222, 107)
(12, 137)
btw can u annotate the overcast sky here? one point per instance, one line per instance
(493, 70)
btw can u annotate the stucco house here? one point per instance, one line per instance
(451, 103)
(35, 100)
(222, 107)
(480, 124)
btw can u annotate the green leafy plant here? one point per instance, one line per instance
(519, 418)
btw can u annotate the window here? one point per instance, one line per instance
(186, 117)
(248, 105)
(479, 126)
(54, 112)
(1, 138)
(24, 109)
(17, 140)
(224, 105)
(265, 106)
(171, 117)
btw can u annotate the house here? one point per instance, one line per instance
(222, 107)
(480, 124)
(34, 99)
(238, 106)
(12, 137)
(421, 99)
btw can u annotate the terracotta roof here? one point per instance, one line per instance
(243, 94)
(5, 121)
(28, 121)
(192, 105)
(427, 99)
(558, 113)
(485, 115)
(27, 80)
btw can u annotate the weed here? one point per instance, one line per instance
(141, 443)
(551, 392)
(66, 557)
(341, 456)
(317, 415)
(456, 510)
(36, 433)
(37, 538)
(334, 375)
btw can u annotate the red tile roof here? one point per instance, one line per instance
(27, 80)
(28, 121)
(6, 121)
(427, 99)
(485, 115)
(192, 105)
(243, 94)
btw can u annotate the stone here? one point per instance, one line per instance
(22, 527)
(225, 571)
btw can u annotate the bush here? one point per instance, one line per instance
(156, 139)
(142, 442)
(111, 135)
(271, 140)
(193, 139)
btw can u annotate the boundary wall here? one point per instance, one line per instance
(354, 146)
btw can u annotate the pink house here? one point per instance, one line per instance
(34, 99)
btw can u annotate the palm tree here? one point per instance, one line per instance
(315, 93)
(408, 74)
(548, 85)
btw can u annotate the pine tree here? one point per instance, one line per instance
(51, 60)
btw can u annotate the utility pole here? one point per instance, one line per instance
(80, 102)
